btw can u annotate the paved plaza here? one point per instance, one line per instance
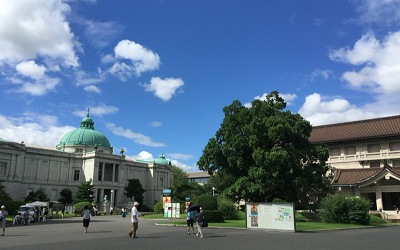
(111, 232)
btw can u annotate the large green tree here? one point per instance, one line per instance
(267, 152)
(135, 189)
(85, 192)
(181, 187)
(38, 195)
(4, 196)
(66, 196)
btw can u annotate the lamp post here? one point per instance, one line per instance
(213, 190)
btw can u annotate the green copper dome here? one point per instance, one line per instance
(84, 135)
(161, 160)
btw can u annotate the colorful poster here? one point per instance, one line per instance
(274, 216)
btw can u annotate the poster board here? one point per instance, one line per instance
(172, 210)
(270, 215)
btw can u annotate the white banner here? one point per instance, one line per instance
(274, 216)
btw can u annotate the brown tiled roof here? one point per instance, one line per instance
(357, 175)
(365, 129)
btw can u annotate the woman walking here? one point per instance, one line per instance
(199, 220)
(86, 218)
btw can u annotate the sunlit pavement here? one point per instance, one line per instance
(111, 232)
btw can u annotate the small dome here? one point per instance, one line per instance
(161, 160)
(84, 135)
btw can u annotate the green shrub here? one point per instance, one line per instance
(228, 208)
(12, 206)
(207, 202)
(78, 207)
(358, 210)
(213, 216)
(376, 219)
(300, 217)
(339, 208)
(158, 207)
(144, 208)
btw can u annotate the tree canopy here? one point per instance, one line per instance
(266, 151)
(38, 195)
(135, 189)
(66, 196)
(181, 187)
(85, 192)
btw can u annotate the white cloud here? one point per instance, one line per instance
(38, 87)
(317, 73)
(164, 88)
(378, 11)
(180, 156)
(92, 88)
(32, 128)
(289, 98)
(89, 80)
(135, 137)
(155, 124)
(379, 61)
(99, 110)
(103, 32)
(31, 69)
(21, 23)
(140, 58)
(143, 155)
(326, 110)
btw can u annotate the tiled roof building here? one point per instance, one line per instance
(365, 156)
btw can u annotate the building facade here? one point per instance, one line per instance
(365, 158)
(83, 154)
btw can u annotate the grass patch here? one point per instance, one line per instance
(304, 222)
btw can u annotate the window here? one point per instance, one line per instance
(396, 163)
(79, 150)
(3, 168)
(116, 174)
(374, 148)
(374, 164)
(351, 150)
(394, 146)
(161, 182)
(334, 152)
(76, 175)
(100, 175)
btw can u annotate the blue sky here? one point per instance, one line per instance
(157, 74)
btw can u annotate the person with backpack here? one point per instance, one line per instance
(189, 220)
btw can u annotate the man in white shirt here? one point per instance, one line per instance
(134, 220)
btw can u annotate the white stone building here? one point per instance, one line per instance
(83, 154)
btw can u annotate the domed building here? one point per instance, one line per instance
(85, 136)
(82, 154)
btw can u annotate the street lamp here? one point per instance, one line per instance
(213, 190)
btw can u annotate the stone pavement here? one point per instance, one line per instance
(111, 232)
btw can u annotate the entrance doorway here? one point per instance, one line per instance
(391, 201)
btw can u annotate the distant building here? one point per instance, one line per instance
(83, 154)
(365, 156)
(199, 177)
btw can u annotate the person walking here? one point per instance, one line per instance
(3, 214)
(134, 220)
(199, 221)
(26, 217)
(189, 220)
(123, 213)
(86, 218)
